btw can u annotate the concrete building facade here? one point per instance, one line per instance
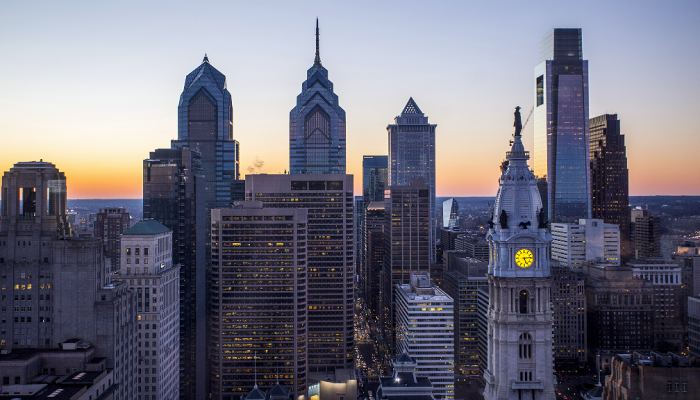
(589, 239)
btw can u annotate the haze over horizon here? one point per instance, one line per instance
(93, 88)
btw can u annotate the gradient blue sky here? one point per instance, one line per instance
(94, 86)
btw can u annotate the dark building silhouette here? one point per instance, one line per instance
(109, 224)
(374, 181)
(407, 233)
(374, 254)
(174, 195)
(610, 178)
(647, 237)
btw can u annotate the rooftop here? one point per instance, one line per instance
(146, 227)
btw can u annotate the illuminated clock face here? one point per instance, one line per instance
(523, 258)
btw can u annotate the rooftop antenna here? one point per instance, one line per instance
(255, 368)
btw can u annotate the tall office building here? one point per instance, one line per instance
(425, 329)
(205, 124)
(259, 300)
(373, 254)
(317, 125)
(569, 309)
(610, 177)
(146, 263)
(647, 239)
(173, 194)
(450, 213)
(463, 280)
(328, 199)
(109, 224)
(520, 321)
(575, 243)
(59, 287)
(375, 180)
(406, 247)
(694, 326)
(561, 125)
(412, 155)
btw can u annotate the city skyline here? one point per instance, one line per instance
(78, 80)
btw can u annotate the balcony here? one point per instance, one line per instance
(537, 385)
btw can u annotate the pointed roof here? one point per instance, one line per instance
(411, 108)
(317, 61)
(206, 69)
(278, 392)
(404, 357)
(255, 394)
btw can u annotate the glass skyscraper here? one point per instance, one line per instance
(412, 155)
(561, 125)
(205, 124)
(317, 125)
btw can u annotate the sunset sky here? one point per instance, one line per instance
(94, 86)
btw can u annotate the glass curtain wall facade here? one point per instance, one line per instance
(259, 300)
(562, 125)
(173, 193)
(317, 125)
(450, 213)
(375, 179)
(412, 155)
(610, 177)
(205, 124)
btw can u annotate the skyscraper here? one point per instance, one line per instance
(561, 125)
(330, 261)
(317, 125)
(450, 213)
(574, 244)
(146, 263)
(205, 124)
(173, 194)
(374, 180)
(406, 247)
(610, 177)
(647, 239)
(373, 255)
(520, 319)
(259, 300)
(412, 155)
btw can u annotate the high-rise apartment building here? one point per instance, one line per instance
(561, 125)
(647, 238)
(520, 344)
(569, 309)
(317, 125)
(424, 328)
(205, 124)
(610, 177)
(260, 305)
(406, 247)
(412, 155)
(575, 243)
(374, 254)
(109, 224)
(328, 199)
(173, 194)
(463, 280)
(146, 263)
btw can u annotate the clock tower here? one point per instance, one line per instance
(520, 361)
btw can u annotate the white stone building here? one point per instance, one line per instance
(425, 329)
(590, 239)
(146, 263)
(520, 346)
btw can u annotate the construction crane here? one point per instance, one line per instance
(528, 117)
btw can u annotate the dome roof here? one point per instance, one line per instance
(518, 201)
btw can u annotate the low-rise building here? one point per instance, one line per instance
(652, 376)
(404, 384)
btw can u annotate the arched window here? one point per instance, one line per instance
(525, 346)
(523, 301)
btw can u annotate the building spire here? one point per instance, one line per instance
(317, 61)
(206, 59)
